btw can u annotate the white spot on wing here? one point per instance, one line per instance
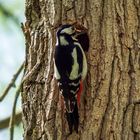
(74, 84)
(74, 92)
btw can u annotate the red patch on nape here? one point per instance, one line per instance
(79, 93)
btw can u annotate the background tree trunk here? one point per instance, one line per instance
(110, 108)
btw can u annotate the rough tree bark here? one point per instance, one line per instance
(110, 108)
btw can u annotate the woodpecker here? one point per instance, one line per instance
(70, 69)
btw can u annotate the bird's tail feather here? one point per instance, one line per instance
(73, 119)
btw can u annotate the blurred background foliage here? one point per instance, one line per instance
(11, 57)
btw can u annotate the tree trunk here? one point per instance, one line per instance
(110, 108)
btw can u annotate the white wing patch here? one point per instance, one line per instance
(56, 73)
(75, 66)
(84, 72)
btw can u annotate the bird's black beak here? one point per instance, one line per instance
(81, 34)
(79, 31)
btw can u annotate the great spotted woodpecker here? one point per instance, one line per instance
(70, 68)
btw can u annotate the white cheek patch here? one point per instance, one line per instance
(67, 31)
(63, 41)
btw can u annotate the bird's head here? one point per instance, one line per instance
(68, 33)
(66, 30)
